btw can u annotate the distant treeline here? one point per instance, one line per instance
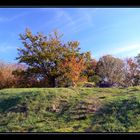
(47, 61)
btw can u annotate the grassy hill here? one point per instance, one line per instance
(70, 110)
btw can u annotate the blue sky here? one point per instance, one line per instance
(102, 31)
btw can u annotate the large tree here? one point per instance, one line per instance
(43, 55)
(111, 70)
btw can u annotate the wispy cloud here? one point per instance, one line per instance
(127, 49)
(59, 18)
(68, 22)
(88, 15)
(65, 21)
(8, 19)
(82, 20)
(121, 51)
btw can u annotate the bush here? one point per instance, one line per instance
(96, 79)
(12, 75)
(7, 79)
(86, 84)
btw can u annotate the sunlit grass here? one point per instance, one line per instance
(31, 110)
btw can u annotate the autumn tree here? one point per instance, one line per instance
(111, 70)
(132, 72)
(138, 59)
(72, 67)
(22, 77)
(43, 55)
(7, 78)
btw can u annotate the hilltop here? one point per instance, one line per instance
(70, 110)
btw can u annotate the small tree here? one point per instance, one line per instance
(90, 70)
(73, 66)
(132, 72)
(111, 70)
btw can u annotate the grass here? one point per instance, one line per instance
(70, 110)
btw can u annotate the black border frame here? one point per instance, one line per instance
(72, 136)
(70, 4)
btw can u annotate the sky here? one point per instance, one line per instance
(101, 31)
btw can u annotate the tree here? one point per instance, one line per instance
(90, 70)
(72, 67)
(137, 77)
(111, 70)
(138, 59)
(43, 55)
(132, 72)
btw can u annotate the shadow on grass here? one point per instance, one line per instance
(117, 116)
(8, 103)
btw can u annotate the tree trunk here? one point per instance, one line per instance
(74, 84)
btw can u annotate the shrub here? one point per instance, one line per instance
(96, 79)
(7, 79)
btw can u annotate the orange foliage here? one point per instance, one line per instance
(73, 67)
(7, 79)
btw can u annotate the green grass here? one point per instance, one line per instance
(31, 110)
